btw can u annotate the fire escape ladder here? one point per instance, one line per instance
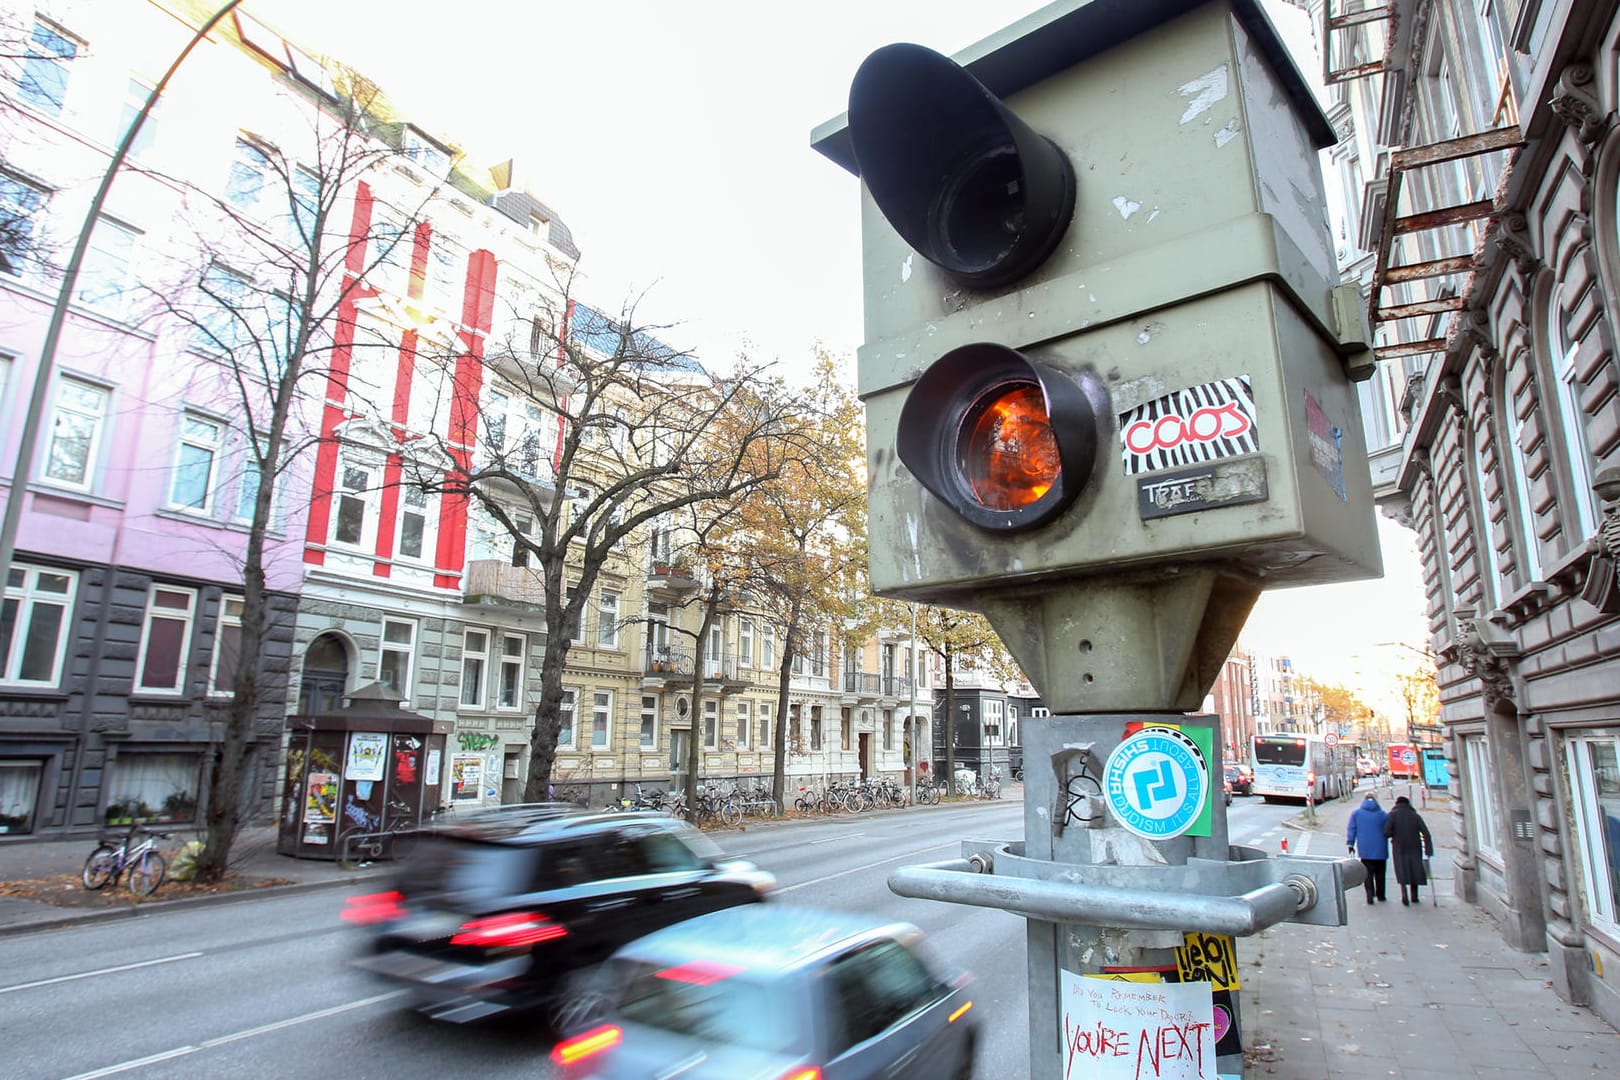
(1348, 27)
(1448, 273)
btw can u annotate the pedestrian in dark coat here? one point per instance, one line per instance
(1410, 834)
(1366, 832)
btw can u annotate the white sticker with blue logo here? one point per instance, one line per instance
(1156, 782)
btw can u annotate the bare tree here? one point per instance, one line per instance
(960, 638)
(589, 432)
(802, 538)
(280, 261)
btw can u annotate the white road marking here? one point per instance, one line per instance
(263, 1029)
(833, 839)
(870, 865)
(99, 971)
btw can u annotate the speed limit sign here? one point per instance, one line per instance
(1331, 738)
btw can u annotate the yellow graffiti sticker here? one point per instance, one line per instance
(1210, 958)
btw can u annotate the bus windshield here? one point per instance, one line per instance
(1279, 751)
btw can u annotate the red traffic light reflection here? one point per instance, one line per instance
(1008, 452)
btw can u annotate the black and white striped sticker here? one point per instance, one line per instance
(1189, 427)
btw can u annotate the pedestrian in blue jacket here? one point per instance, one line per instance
(1366, 832)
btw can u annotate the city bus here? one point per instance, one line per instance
(1297, 765)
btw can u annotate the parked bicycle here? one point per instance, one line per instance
(110, 861)
(358, 844)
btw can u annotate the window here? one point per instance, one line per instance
(511, 686)
(474, 661)
(1564, 354)
(993, 711)
(601, 714)
(221, 326)
(251, 479)
(874, 988)
(427, 154)
(713, 661)
(711, 725)
(846, 729)
(104, 277)
(19, 794)
(394, 664)
(75, 432)
(607, 615)
(135, 94)
(21, 210)
(33, 627)
(303, 210)
(742, 723)
(575, 628)
(416, 523)
(1012, 726)
(165, 640)
(1519, 479)
(351, 523)
(815, 727)
(244, 184)
(888, 729)
(565, 716)
(154, 787)
(765, 741)
(1594, 777)
(42, 80)
(649, 722)
(227, 647)
(767, 648)
(745, 642)
(192, 487)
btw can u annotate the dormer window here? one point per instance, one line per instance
(425, 153)
(540, 225)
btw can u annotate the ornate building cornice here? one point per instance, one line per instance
(1486, 652)
(1513, 238)
(1574, 101)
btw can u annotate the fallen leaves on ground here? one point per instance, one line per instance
(67, 890)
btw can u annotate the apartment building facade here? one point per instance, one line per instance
(1480, 162)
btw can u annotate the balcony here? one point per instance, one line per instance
(897, 687)
(726, 671)
(665, 665)
(497, 581)
(862, 686)
(670, 580)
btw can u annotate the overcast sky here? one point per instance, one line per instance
(673, 139)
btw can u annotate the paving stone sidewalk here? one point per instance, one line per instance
(1428, 992)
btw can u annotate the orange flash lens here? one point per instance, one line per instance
(1009, 455)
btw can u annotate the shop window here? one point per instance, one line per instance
(397, 647)
(19, 795)
(34, 625)
(153, 787)
(227, 647)
(1594, 775)
(165, 640)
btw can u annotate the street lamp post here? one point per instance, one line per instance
(29, 438)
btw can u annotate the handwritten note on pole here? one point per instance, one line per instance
(1136, 1031)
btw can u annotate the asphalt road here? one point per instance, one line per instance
(259, 988)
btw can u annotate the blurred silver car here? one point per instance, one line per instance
(779, 992)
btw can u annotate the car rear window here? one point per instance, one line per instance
(713, 1004)
(442, 866)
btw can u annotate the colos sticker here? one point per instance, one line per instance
(1191, 426)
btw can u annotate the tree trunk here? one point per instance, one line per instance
(950, 722)
(693, 751)
(783, 677)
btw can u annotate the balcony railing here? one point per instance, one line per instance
(725, 668)
(669, 662)
(897, 686)
(862, 684)
(499, 580)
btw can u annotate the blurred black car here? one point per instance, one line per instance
(1241, 777)
(517, 906)
(772, 991)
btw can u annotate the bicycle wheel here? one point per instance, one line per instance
(729, 813)
(146, 873)
(101, 867)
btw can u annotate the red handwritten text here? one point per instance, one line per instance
(1095, 1041)
(1171, 1043)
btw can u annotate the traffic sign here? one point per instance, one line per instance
(1156, 782)
(1331, 738)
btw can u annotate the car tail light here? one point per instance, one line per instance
(586, 1045)
(510, 930)
(1310, 778)
(960, 1012)
(374, 908)
(812, 1073)
(700, 972)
